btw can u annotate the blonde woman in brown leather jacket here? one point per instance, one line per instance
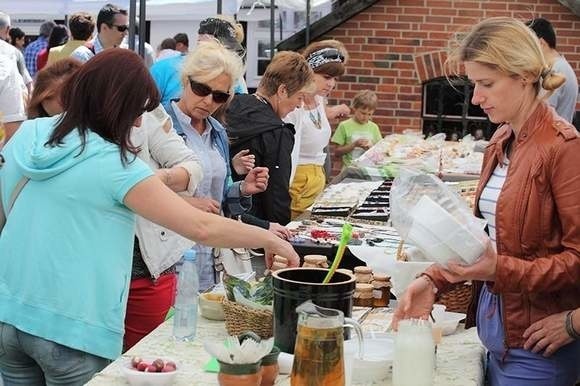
(530, 194)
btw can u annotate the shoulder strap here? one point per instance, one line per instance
(11, 201)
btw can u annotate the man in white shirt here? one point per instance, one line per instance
(12, 92)
(19, 57)
(564, 98)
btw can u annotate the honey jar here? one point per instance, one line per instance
(363, 274)
(363, 295)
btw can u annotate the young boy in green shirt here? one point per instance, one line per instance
(357, 134)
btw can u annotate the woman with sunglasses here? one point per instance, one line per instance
(327, 60)
(64, 276)
(255, 123)
(208, 76)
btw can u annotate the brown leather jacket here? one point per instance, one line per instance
(538, 223)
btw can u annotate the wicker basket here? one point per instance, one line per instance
(240, 319)
(457, 298)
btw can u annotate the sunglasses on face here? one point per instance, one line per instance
(202, 90)
(120, 28)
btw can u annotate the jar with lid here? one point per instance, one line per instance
(381, 290)
(414, 363)
(315, 261)
(363, 274)
(363, 295)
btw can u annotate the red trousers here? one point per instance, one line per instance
(147, 307)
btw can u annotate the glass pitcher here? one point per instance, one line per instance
(319, 350)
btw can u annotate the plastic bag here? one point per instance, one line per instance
(434, 218)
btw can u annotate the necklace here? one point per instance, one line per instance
(317, 120)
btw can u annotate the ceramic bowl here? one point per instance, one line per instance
(450, 322)
(210, 306)
(141, 378)
(377, 361)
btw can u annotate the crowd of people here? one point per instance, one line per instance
(122, 179)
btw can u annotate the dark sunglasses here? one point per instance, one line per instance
(120, 28)
(202, 90)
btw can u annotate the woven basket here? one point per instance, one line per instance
(457, 298)
(240, 319)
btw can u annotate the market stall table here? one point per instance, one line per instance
(460, 357)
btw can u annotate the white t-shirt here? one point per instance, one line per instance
(312, 135)
(12, 87)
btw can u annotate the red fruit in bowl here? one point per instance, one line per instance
(135, 361)
(151, 369)
(159, 364)
(168, 368)
(171, 363)
(142, 366)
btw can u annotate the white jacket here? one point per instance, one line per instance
(161, 147)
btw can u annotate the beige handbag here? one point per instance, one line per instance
(233, 260)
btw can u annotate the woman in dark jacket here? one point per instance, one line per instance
(255, 123)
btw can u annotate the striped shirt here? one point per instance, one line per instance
(490, 194)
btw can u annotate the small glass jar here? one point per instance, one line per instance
(414, 362)
(240, 374)
(381, 290)
(363, 295)
(363, 274)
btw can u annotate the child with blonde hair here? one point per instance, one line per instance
(358, 133)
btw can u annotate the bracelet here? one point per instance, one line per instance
(242, 184)
(570, 327)
(430, 281)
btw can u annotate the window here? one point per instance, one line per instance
(263, 55)
(447, 108)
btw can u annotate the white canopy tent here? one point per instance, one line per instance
(155, 8)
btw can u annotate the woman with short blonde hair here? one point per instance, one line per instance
(255, 123)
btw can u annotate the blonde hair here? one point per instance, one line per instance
(365, 99)
(238, 28)
(509, 46)
(209, 60)
(288, 68)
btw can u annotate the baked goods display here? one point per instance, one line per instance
(432, 155)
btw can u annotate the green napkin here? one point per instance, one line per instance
(212, 366)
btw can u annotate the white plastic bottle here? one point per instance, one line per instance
(414, 361)
(185, 317)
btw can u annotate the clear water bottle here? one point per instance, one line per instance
(185, 317)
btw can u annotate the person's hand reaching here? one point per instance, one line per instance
(243, 162)
(416, 302)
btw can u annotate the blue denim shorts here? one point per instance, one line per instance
(29, 360)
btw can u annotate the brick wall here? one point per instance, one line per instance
(396, 44)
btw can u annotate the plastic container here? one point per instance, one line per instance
(414, 362)
(444, 231)
(185, 317)
(294, 286)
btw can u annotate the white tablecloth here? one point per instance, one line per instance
(459, 358)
